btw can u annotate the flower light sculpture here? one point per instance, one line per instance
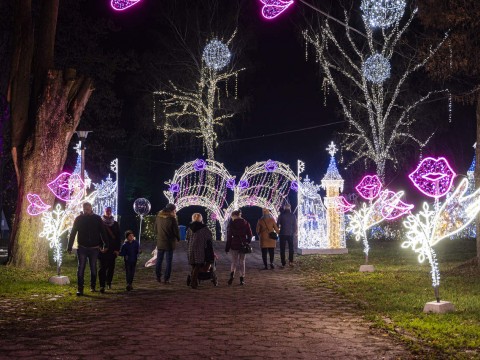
(434, 178)
(383, 205)
(273, 8)
(121, 5)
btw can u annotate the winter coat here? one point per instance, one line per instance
(238, 232)
(166, 230)
(266, 225)
(287, 223)
(114, 237)
(199, 240)
(91, 232)
(130, 251)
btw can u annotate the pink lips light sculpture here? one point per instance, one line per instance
(433, 177)
(342, 205)
(37, 206)
(120, 5)
(67, 187)
(272, 8)
(369, 187)
(394, 207)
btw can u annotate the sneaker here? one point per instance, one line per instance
(242, 280)
(129, 287)
(167, 282)
(282, 266)
(92, 289)
(159, 279)
(272, 266)
(291, 264)
(109, 286)
(80, 293)
(230, 281)
(102, 290)
(265, 268)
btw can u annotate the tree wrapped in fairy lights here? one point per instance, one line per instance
(371, 94)
(199, 109)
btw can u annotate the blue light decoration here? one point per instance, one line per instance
(382, 13)
(174, 188)
(216, 55)
(376, 69)
(271, 166)
(230, 184)
(243, 184)
(199, 165)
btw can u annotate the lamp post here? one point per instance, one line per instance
(82, 136)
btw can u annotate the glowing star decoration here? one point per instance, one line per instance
(433, 177)
(216, 55)
(67, 187)
(272, 8)
(376, 69)
(386, 205)
(382, 13)
(369, 187)
(428, 227)
(271, 166)
(37, 206)
(120, 5)
(342, 205)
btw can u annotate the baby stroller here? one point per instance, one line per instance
(207, 272)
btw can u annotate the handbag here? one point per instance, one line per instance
(272, 234)
(245, 248)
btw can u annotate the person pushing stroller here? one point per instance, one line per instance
(200, 250)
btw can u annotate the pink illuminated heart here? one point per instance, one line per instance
(121, 5)
(272, 8)
(37, 206)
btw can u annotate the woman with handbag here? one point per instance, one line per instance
(267, 231)
(239, 234)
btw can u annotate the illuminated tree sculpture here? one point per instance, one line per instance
(434, 178)
(371, 95)
(198, 110)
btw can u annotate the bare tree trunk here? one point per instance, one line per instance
(61, 106)
(477, 174)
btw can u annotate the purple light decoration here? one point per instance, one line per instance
(342, 205)
(271, 166)
(433, 177)
(67, 187)
(272, 8)
(243, 184)
(230, 184)
(199, 165)
(393, 207)
(294, 186)
(369, 187)
(37, 206)
(120, 5)
(174, 188)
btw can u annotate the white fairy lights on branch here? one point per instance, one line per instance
(371, 103)
(197, 111)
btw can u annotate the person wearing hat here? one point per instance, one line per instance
(288, 229)
(130, 250)
(167, 232)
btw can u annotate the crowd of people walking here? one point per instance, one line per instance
(98, 238)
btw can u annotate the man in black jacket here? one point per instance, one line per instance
(91, 236)
(107, 257)
(288, 229)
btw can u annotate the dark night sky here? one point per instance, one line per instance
(285, 95)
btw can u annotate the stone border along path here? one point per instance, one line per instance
(271, 317)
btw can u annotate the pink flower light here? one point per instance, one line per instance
(67, 187)
(342, 205)
(120, 5)
(433, 177)
(272, 8)
(394, 207)
(37, 206)
(369, 187)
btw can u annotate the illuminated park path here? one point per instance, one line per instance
(271, 317)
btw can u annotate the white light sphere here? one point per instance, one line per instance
(142, 206)
(382, 13)
(216, 55)
(376, 69)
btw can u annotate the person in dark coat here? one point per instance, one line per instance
(200, 249)
(238, 233)
(168, 234)
(107, 258)
(91, 237)
(287, 223)
(130, 250)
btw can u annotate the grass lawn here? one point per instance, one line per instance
(394, 295)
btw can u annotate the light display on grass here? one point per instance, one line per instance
(332, 182)
(121, 5)
(272, 8)
(376, 69)
(431, 225)
(382, 13)
(216, 55)
(380, 118)
(384, 205)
